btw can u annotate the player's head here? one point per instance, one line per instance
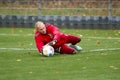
(40, 26)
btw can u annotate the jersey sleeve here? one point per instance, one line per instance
(39, 43)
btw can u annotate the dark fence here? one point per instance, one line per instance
(82, 22)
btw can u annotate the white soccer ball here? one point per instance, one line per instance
(48, 51)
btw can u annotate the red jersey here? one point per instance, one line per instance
(52, 33)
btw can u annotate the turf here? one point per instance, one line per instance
(85, 65)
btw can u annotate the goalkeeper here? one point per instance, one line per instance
(48, 34)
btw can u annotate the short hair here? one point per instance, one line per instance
(38, 24)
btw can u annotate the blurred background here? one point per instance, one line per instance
(79, 11)
(61, 7)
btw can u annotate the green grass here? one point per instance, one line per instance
(63, 12)
(85, 65)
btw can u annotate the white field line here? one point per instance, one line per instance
(98, 50)
(110, 38)
(18, 49)
(102, 38)
(3, 34)
(34, 49)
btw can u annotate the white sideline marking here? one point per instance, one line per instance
(33, 49)
(3, 34)
(18, 49)
(101, 38)
(98, 50)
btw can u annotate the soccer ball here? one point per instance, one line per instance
(48, 51)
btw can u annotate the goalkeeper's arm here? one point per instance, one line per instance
(52, 42)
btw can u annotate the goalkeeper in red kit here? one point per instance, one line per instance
(48, 34)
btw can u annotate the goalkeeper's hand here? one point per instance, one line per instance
(52, 42)
(41, 52)
(48, 44)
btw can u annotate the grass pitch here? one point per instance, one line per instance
(99, 60)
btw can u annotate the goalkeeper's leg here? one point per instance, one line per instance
(64, 49)
(72, 41)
